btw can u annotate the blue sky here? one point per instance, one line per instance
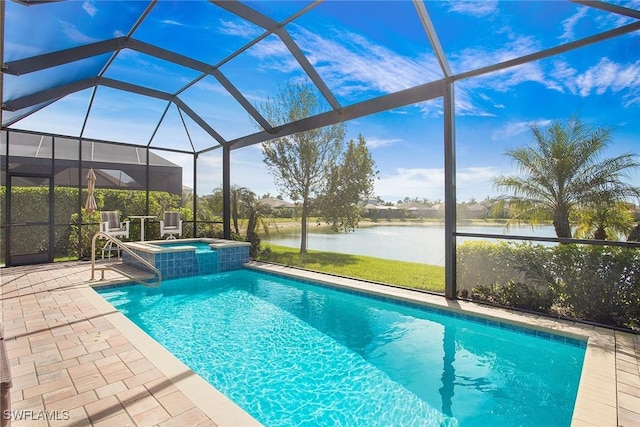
(361, 49)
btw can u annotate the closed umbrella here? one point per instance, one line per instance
(91, 205)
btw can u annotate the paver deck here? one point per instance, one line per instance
(77, 361)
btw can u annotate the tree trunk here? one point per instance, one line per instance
(235, 218)
(303, 232)
(561, 222)
(600, 233)
(252, 237)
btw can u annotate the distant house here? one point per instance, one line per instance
(478, 210)
(415, 209)
(278, 207)
(436, 211)
(374, 210)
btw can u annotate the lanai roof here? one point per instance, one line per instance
(166, 72)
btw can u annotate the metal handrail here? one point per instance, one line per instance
(120, 245)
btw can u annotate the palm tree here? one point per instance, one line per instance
(563, 171)
(604, 221)
(239, 195)
(257, 214)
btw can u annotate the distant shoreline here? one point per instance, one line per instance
(314, 223)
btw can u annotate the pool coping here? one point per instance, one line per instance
(155, 246)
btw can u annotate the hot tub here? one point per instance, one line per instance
(189, 257)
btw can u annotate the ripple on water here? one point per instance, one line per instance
(247, 344)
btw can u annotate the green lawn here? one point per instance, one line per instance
(407, 274)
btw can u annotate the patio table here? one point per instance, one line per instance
(141, 218)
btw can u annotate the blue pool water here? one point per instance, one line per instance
(200, 246)
(293, 354)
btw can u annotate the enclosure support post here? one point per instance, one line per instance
(195, 195)
(226, 191)
(147, 177)
(449, 192)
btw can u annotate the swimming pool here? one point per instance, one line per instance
(294, 353)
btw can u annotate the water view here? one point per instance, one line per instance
(414, 243)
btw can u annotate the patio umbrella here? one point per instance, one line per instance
(91, 205)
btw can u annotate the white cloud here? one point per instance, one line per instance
(72, 32)
(569, 24)
(476, 182)
(238, 28)
(616, 20)
(466, 105)
(270, 47)
(172, 22)
(90, 8)
(512, 129)
(632, 98)
(274, 55)
(563, 72)
(503, 80)
(210, 85)
(474, 8)
(473, 174)
(473, 58)
(607, 75)
(350, 63)
(374, 143)
(414, 182)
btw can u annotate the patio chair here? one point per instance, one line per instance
(112, 226)
(172, 224)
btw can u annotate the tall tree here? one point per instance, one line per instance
(604, 221)
(239, 197)
(256, 214)
(300, 163)
(349, 182)
(562, 171)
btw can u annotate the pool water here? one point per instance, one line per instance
(200, 246)
(292, 353)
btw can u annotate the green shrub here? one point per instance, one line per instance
(595, 283)
(600, 283)
(517, 294)
(485, 263)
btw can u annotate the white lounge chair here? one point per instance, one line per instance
(112, 226)
(172, 224)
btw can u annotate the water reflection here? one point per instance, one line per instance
(448, 371)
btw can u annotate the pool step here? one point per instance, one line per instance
(129, 271)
